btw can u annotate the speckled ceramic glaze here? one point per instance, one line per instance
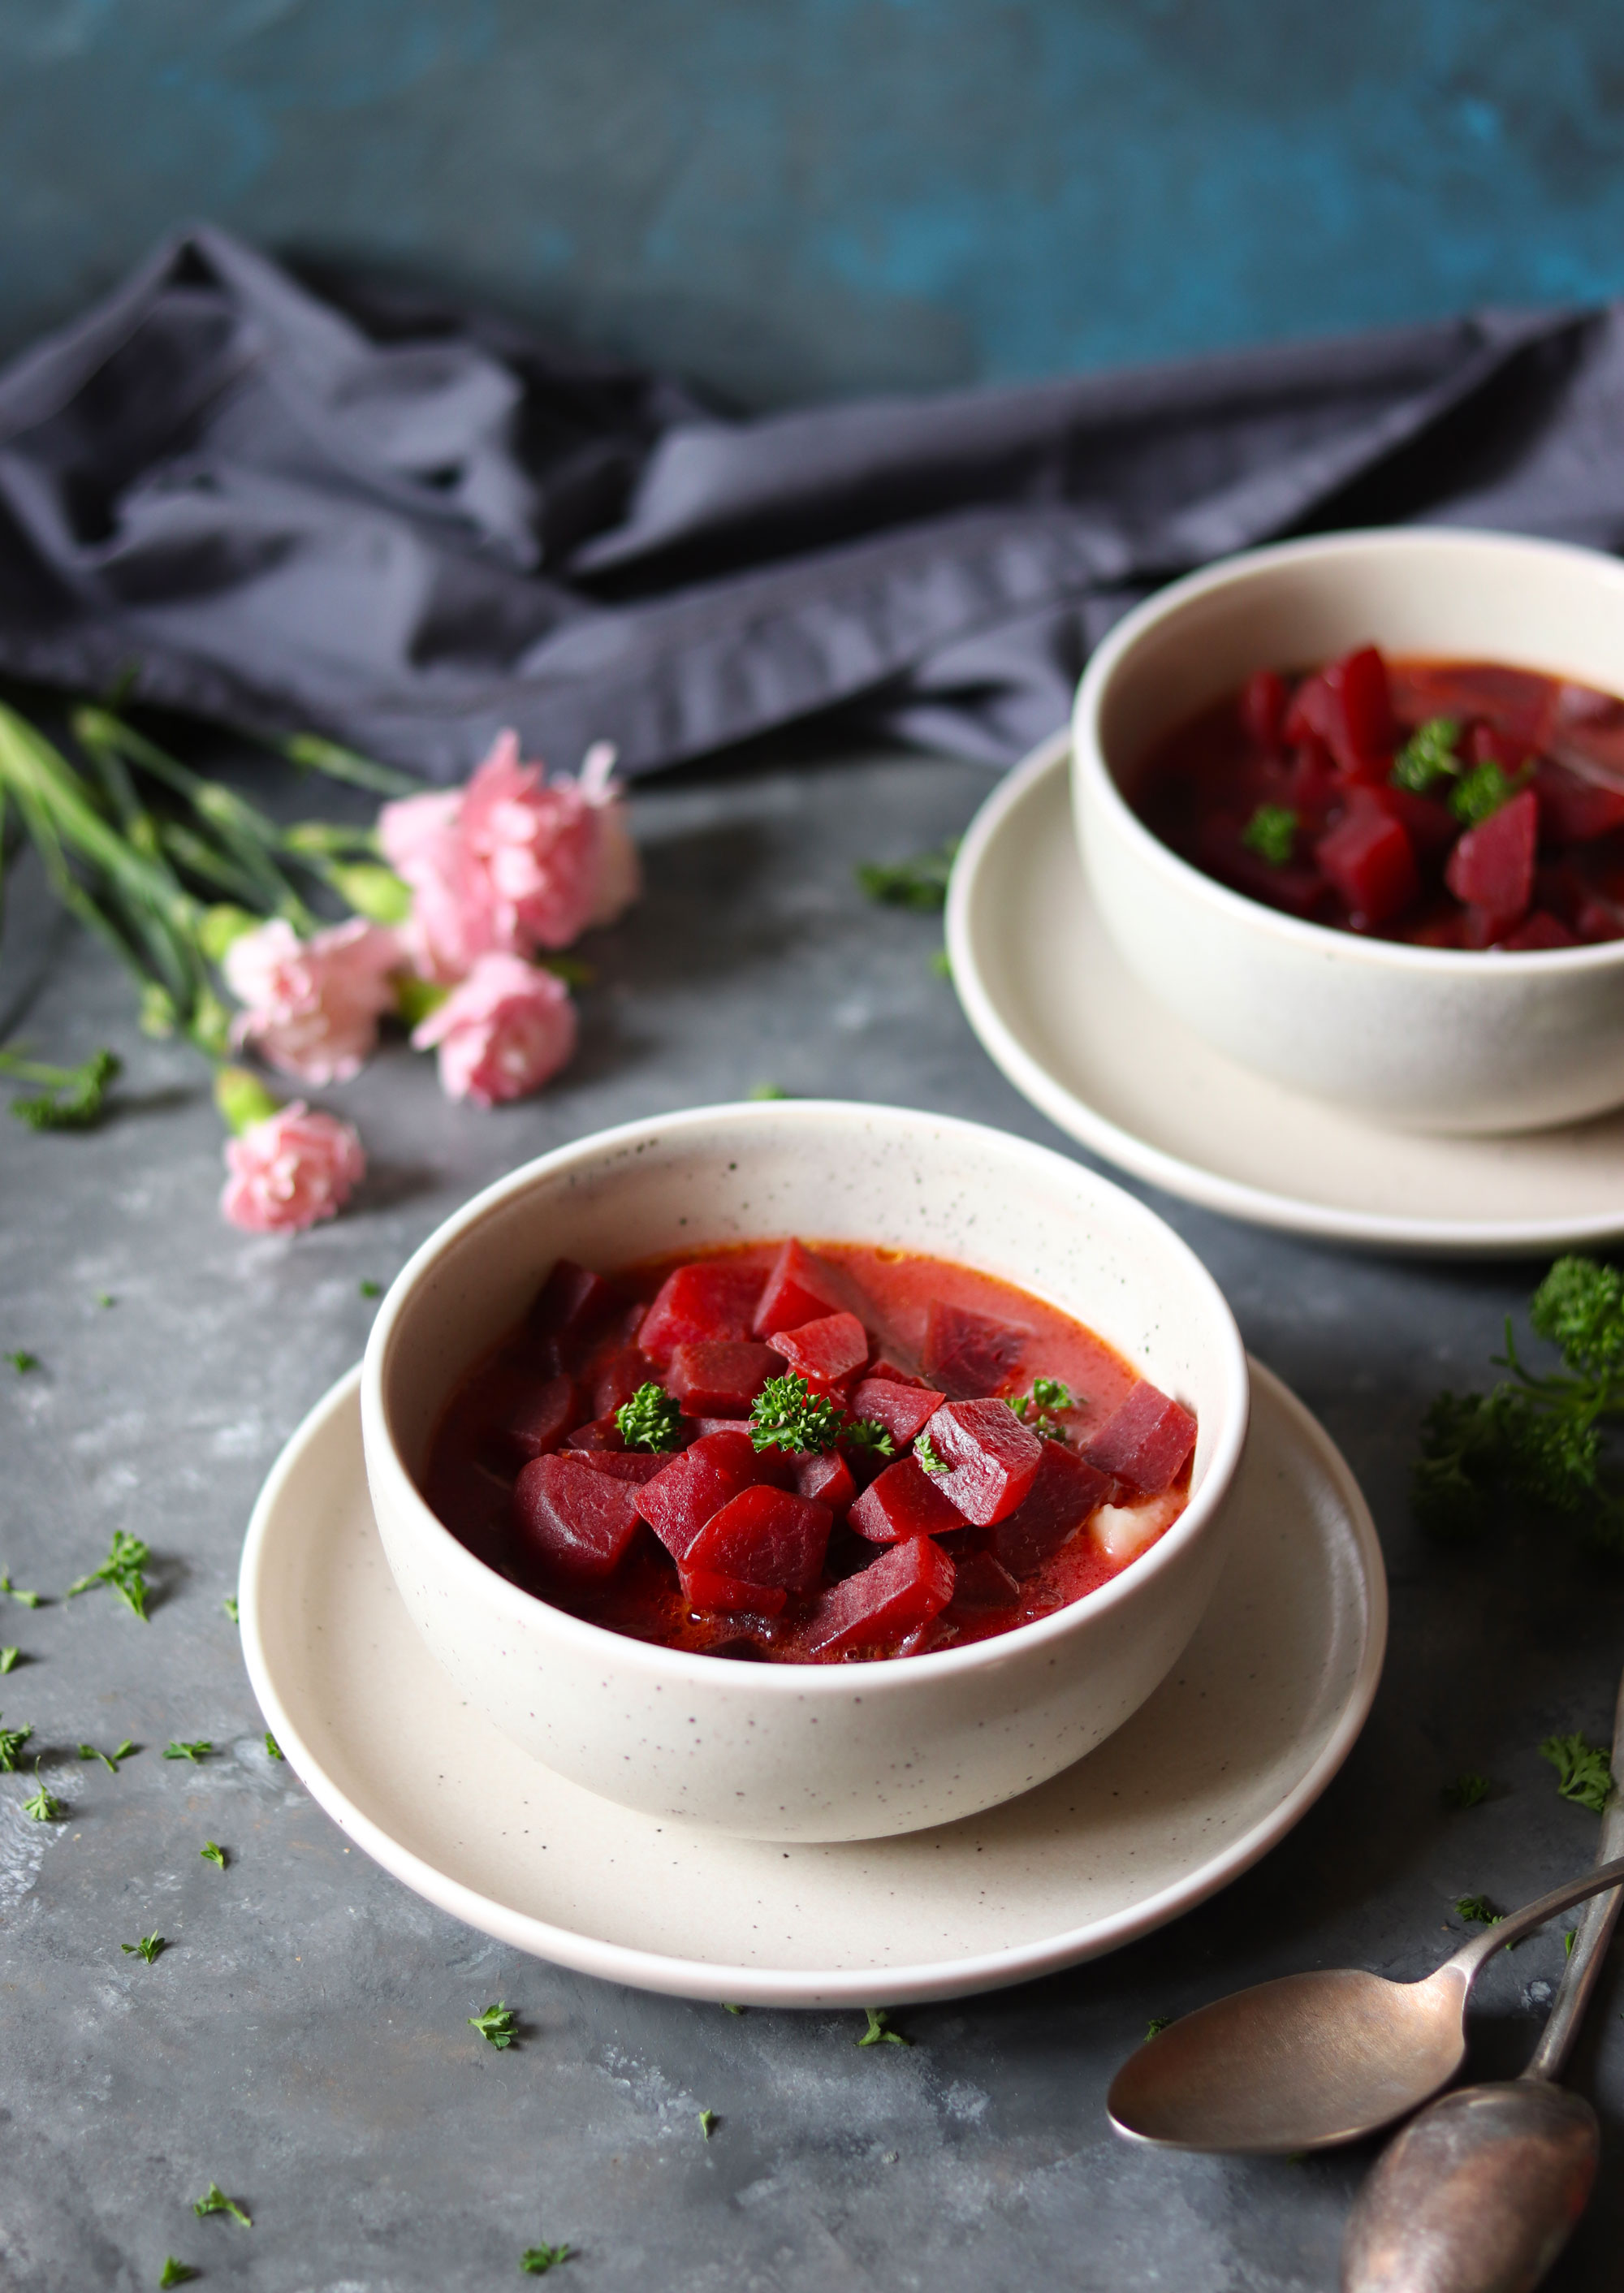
(1431, 1038)
(804, 1751)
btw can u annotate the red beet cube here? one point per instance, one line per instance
(1263, 707)
(1573, 810)
(730, 1596)
(905, 1501)
(1492, 866)
(576, 1521)
(540, 1419)
(720, 1377)
(1060, 1499)
(1350, 706)
(827, 1480)
(902, 1409)
(827, 1349)
(618, 1378)
(1539, 929)
(803, 1287)
(992, 1458)
(969, 1354)
(980, 1583)
(678, 1502)
(1367, 859)
(637, 1465)
(571, 1303)
(763, 1536)
(1145, 1441)
(712, 1299)
(1430, 827)
(884, 1604)
(888, 1368)
(596, 1433)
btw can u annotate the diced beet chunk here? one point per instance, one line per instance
(981, 1583)
(905, 1501)
(698, 1482)
(1573, 810)
(570, 1303)
(1350, 706)
(763, 1536)
(637, 1465)
(1368, 860)
(884, 1604)
(992, 1458)
(1492, 866)
(720, 1377)
(730, 1596)
(827, 1349)
(572, 1519)
(803, 1287)
(827, 1479)
(596, 1433)
(710, 1298)
(1537, 930)
(1145, 1442)
(618, 1378)
(968, 1355)
(540, 1419)
(1067, 1490)
(902, 1409)
(1263, 707)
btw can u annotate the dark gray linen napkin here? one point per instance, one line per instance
(407, 524)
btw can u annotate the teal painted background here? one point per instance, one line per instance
(797, 198)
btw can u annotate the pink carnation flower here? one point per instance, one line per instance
(312, 1005)
(513, 862)
(293, 1168)
(502, 1033)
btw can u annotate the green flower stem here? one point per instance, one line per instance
(313, 754)
(242, 1099)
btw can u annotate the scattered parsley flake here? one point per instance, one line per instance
(536, 2260)
(147, 1947)
(498, 2025)
(1428, 756)
(919, 882)
(879, 2033)
(8, 1658)
(371, 1288)
(273, 1750)
(215, 2201)
(1479, 1909)
(867, 1434)
(103, 1299)
(213, 1854)
(23, 1362)
(1272, 832)
(1467, 1791)
(924, 1451)
(11, 1741)
(73, 1100)
(1156, 2026)
(787, 1414)
(176, 2272)
(726, 2009)
(121, 1572)
(707, 2123)
(109, 1760)
(199, 1749)
(1482, 793)
(941, 963)
(651, 1420)
(44, 1806)
(1583, 1774)
(23, 1600)
(761, 1091)
(1569, 1940)
(230, 1605)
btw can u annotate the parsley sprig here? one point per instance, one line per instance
(925, 1454)
(651, 1420)
(1536, 1438)
(121, 1572)
(1428, 756)
(1036, 1408)
(1479, 1909)
(1583, 1772)
(498, 2025)
(9, 1658)
(215, 2201)
(1272, 832)
(23, 1600)
(1483, 791)
(919, 882)
(197, 1750)
(73, 1098)
(879, 2032)
(1467, 1791)
(787, 1414)
(147, 1948)
(176, 2272)
(44, 1806)
(536, 2260)
(109, 1760)
(214, 1854)
(11, 1741)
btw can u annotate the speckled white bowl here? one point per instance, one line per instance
(1431, 1038)
(804, 1751)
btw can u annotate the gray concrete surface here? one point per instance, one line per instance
(303, 2039)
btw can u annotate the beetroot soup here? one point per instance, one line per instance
(1451, 804)
(806, 1455)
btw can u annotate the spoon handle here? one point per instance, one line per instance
(1511, 1929)
(1583, 1971)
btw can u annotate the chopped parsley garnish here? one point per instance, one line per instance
(1428, 756)
(22, 1362)
(498, 2025)
(371, 1288)
(147, 1947)
(1479, 1909)
(230, 1605)
(867, 1434)
(109, 1760)
(707, 2123)
(273, 1750)
(1036, 1408)
(1156, 2026)
(879, 2032)
(23, 1600)
(921, 882)
(121, 1571)
(73, 1098)
(1536, 1439)
(44, 1806)
(1272, 832)
(1467, 1791)
(787, 1414)
(924, 1452)
(215, 2201)
(536, 2260)
(176, 2272)
(651, 1420)
(1483, 790)
(1583, 1774)
(8, 1658)
(11, 1741)
(213, 1854)
(199, 1749)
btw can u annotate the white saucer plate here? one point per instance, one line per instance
(1227, 1755)
(1057, 1010)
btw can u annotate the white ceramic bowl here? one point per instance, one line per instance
(1428, 1038)
(804, 1751)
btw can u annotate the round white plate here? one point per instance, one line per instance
(1233, 1748)
(1058, 1011)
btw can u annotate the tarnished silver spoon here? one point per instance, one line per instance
(1480, 2193)
(1315, 2058)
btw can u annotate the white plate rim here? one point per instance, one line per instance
(707, 1980)
(1190, 1181)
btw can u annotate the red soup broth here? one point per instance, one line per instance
(909, 1507)
(1451, 804)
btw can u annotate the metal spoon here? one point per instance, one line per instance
(1314, 2059)
(1480, 2193)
